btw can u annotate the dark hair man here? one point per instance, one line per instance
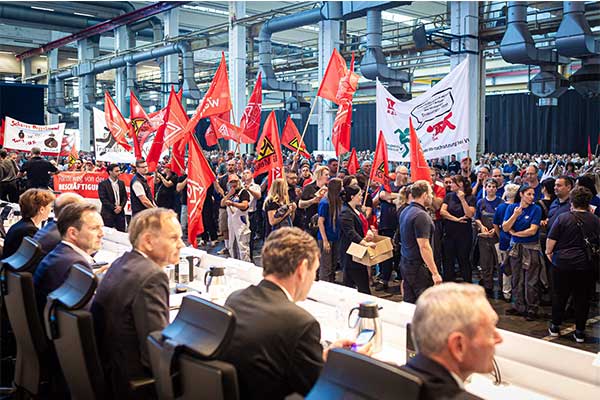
(141, 195)
(38, 170)
(113, 196)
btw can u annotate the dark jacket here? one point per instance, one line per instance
(15, 235)
(131, 301)
(107, 196)
(276, 344)
(351, 232)
(48, 237)
(438, 383)
(136, 203)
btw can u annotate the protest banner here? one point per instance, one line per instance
(22, 136)
(441, 117)
(105, 145)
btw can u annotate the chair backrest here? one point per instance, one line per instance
(16, 286)
(350, 375)
(183, 355)
(71, 329)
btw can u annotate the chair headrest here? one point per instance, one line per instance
(77, 290)
(27, 256)
(201, 327)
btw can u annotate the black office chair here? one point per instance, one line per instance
(16, 286)
(71, 329)
(183, 355)
(352, 376)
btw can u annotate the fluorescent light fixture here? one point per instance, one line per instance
(43, 56)
(310, 28)
(5, 52)
(83, 14)
(401, 18)
(72, 59)
(208, 10)
(42, 8)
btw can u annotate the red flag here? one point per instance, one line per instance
(348, 84)
(217, 99)
(291, 138)
(353, 165)
(269, 151)
(176, 121)
(179, 94)
(589, 149)
(115, 123)
(158, 143)
(211, 137)
(335, 72)
(419, 170)
(380, 171)
(250, 121)
(177, 163)
(2, 131)
(200, 177)
(226, 130)
(143, 130)
(340, 135)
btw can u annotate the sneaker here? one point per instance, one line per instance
(554, 330)
(579, 336)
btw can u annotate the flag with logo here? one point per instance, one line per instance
(334, 73)
(175, 121)
(143, 131)
(226, 130)
(419, 170)
(353, 165)
(115, 123)
(269, 158)
(157, 146)
(291, 138)
(250, 121)
(342, 125)
(200, 177)
(177, 163)
(441, 116)
(380, 170)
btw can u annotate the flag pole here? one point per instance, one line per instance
(366, 191)
(306, 125)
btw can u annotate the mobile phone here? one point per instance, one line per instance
(363, 338)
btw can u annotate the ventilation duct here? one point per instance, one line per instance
(373, 65)
(518, 47)
(576, 39)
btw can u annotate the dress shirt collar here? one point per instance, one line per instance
(284, 290)
(85, 255)
(459, 381)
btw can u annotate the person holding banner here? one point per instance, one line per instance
(38, 170)
(113, 196)
(141, 195)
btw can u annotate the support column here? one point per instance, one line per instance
(25, 69)
(237, 64)
(464, 20)
(52, 61)
(329, 39)
(131, 71)
(87, 49)
(170, 66)
(122, 41)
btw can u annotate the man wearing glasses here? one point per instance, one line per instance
(141, 195)
(113, 197)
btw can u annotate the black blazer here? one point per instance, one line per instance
(276, 344)
(438, 383)
(131, 301)
(107, 195)
(54, 270)
(48, 237)
(15, 235)
(351, 232)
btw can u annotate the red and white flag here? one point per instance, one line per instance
(291, 138)
(380, 170)
(200, 177)
(269, 157)
(115, 123)
(250, 121)
(176, 121)
(353, 165)
(419, 170)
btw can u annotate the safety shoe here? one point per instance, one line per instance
(579, 336)
(554, 330)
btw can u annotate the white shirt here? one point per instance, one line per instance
(252, 204)
(115, 187)
(85, 255)
(459, 381)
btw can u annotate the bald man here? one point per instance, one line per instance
(48, 237)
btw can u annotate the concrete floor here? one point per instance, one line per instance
(537, 329)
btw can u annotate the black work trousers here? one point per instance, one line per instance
(416, 278)
(580, 284)
(457, 247)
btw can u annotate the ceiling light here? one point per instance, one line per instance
(401, 18)
(42, 8)
(72, 59)
(5, 52)
(43, 56)
(206, 10)
(83, 14)
(310, 28)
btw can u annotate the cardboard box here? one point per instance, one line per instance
(383, 250)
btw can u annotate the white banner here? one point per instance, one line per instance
(22, 136)
(105, 145)
(440, 117)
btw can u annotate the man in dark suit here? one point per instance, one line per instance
(276, 344)
(49, 237)
(133, 299)
(454, 330)
(113, 195)
(80, 227)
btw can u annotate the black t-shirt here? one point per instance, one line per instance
(308, 193)
(453, 167)
(183, 193)
(165, 196)
(38, 172)
(415, 223)
(455, 208)
(271, 205)
(569, 251)
(388, 219)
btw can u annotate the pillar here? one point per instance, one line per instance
(464, 20)
(122, 42)
(237, 64)
(329, 38)
(25, 69)
(52, 61)
(87, 49)
(170, 66)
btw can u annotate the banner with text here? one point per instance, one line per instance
(22, 136)
(440, 117)
(105, 145)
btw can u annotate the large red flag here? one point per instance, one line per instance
(269, 157)
(291, 138)
(353, 165)
(250, 121)
(179, 94)
(217, 99)
(115, 123)
(200, 177)
(226, 130)
(158, 143)
(142, 129)
(335, 72)
(419, 170)
(380, 170)
(589, 149)
(176, 121)
(340, 134)
(177, 163)
(348, 84)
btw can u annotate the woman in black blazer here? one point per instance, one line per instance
(35, 205)
(354, 228)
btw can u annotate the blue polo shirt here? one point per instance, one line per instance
(487, 206)
(557, 208)
(504, 242)
(531, 215)
(333, 233)
(509, 169)
(499, 193)
(415, 223)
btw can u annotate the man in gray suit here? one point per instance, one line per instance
(133, 299)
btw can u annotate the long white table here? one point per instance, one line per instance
(531, 368)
